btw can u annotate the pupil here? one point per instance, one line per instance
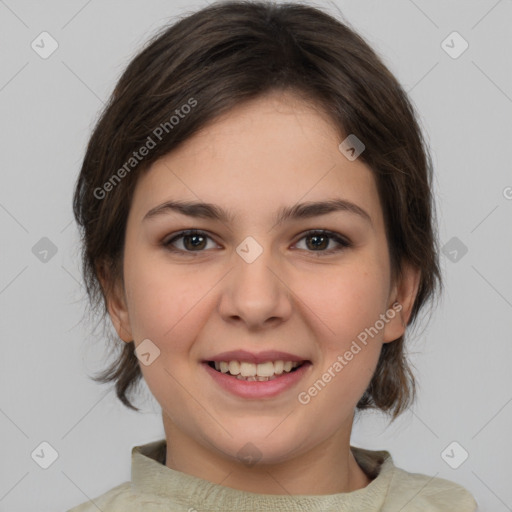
(316, 238)
(195, 244)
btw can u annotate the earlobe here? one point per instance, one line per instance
(401, 303)
(120, 319)
(116, 305)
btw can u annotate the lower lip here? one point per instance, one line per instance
(255, 388)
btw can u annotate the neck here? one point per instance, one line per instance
(331, 467)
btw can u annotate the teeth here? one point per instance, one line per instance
(252, 372)
(234, 367)
(253, 378)
(265, 369)
(278, 367)
(247, 369)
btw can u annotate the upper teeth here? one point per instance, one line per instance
(266, 369)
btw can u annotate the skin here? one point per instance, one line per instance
(270, 152)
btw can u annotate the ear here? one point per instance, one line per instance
(401, 301)
(116, 302)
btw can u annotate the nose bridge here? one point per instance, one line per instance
(254, 292)
(253, 262)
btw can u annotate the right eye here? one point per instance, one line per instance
(192, 240)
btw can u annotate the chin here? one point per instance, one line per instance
(256, 446)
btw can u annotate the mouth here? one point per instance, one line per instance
(257, 381)
(260, 372)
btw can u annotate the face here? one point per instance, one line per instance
(299, 288)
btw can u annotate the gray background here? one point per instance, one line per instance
(462, 358)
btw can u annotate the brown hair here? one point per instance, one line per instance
(219, 57)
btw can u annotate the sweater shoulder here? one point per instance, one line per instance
(117, 499)
(416, 492)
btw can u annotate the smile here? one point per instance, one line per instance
(251, 372)
(247, 382)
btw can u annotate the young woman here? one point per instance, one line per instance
(258, 224)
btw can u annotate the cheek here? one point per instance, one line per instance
(166, 305)
(348, 302)
(349, 305)
(345, 302)
(165, 301)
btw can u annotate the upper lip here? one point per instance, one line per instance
(260, 357)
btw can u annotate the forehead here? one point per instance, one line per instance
(272, 151)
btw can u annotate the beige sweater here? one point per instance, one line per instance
(156, 488)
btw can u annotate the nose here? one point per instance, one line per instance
(256, 293)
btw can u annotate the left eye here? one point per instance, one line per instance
(196, 241)
(320, 240)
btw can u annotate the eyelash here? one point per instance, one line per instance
(343, 242)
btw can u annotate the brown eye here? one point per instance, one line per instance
(192, 241)
(319, 240)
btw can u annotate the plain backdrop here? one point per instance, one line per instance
(462, 357)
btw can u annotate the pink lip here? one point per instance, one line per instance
(261, 357)
(258, 389)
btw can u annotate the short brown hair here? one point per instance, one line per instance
(226, 54)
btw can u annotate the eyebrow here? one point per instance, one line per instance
(295, 212)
